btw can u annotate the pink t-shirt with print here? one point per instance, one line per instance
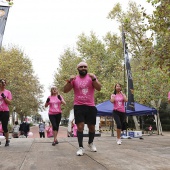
(83, 91)
(54, 105)
(119, 103)
(3, 105)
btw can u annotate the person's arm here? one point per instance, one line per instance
(96, 83)
(47, 102)
(112, 99)
(7, 101)
(69, 85)
(61, 99)
(124, 97)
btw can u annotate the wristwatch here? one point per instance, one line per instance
(94, 79)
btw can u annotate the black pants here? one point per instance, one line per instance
(55, 121)
(4, 118)
(119, 118)
(42, 134)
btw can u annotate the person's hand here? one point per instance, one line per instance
(72, 77)
(59, 97)
(121, 92)
(48, 99)
(91, 75)
(3, 95)
(113, 95)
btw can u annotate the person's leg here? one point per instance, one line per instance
(4, 120)
(80, 127)
(79, 121)
(118, 123)
(91, 122)
(53, 120)
(91, 133)
(58, 119)
(43, 134)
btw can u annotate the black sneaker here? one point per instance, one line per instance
(53, 143)
(0, 143)
(56, 142)
(7, 143)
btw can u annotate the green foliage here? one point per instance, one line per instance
(105, 57)
(26, 90)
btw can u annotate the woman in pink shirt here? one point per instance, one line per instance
(54, 102)
(5, 100)
(118, 99)
(169, 96)
(49, 131)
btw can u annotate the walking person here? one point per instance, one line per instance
(169, 97)
(24, 128)
(42, 129)
(54, 102)
(5, 100)
(118, 98)
(85, 112)
(15, 132)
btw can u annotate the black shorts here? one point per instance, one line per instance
(4, 118)
(86, 114)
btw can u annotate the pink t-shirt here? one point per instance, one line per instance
(169, 95)
(3, 105)
(54, 105)
(83, 91)
(49, 131)
(119, 103)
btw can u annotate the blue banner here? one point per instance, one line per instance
(3, 18)
(130, 104)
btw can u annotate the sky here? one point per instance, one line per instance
(44, 29)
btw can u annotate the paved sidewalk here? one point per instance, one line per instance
(151, 153)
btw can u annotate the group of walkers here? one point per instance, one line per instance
(22, 130)
(84, 85)
(45, 129)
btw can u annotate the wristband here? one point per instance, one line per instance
(68, 81)
(94, 79)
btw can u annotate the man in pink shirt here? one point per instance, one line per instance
(85, 111)
(169, 97)
(5, 100)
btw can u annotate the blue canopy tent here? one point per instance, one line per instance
(106, 109)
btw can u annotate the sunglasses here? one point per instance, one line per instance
(83, 67)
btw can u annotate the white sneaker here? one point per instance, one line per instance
(119, 142)
(92, 147)
(80, 152)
